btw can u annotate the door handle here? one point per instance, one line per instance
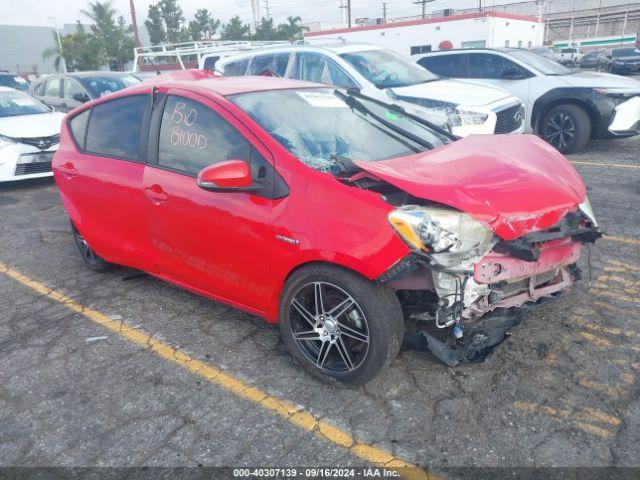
(155, 194)
(68, 169)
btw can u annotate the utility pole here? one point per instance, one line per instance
(479, 7)
(63, 64)
(345, 6)
(134, 23)
(384, 12)
(424, 6)
(267, 9)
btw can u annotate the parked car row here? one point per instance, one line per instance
(563, 106)
(388, 77)
(471, 90)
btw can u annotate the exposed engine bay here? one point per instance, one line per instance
(466, 281)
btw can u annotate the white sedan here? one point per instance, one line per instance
(29, 135)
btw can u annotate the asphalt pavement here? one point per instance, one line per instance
(121, 369)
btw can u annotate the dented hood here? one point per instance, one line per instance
(516, 183)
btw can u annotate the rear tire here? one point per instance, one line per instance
(91, 258)
(567, 127)
(338, 325)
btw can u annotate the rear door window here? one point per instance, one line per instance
(280, 63)
(453, 66)
(114, 127)
(193, 136)
(485, 65)
(309, 67)
(53, 88)
(235, 69)
(261, 65)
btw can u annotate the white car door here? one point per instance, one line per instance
(499, 71)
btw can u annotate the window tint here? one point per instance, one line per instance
(210, 63)
(78, 127)
(337, 76)
(308, 66)
(454, 66)
(485, 65)
(53, 88)
(280, 64)
(235, 69)
(39, 89)
(193, 137)
(114, 127)
(70, 88)
(260, 65)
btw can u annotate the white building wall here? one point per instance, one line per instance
(462, 33)
(516, 33)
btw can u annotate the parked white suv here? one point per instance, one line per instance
(564, 107)
(468, 108)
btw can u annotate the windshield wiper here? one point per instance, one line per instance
(353, 102)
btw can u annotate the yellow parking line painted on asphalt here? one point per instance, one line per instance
(290, 412)
(596, 164)
(575, 418)
(630, 241)
(601, 342)
(609, 330)
(623, 265)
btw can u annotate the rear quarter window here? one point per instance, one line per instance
(78, 128)
(114, 128)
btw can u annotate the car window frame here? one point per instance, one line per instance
(207, 102)
(59, 80)
(70, 79)
(144, 130)
(293, 60)
(465, 62)
(515, 61)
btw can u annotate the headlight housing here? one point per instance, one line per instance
(456, 115)
(587, 211)
(621, 92)
(439, 230)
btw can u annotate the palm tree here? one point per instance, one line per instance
(54, 52)
(292, 29)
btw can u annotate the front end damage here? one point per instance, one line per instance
(469, 301)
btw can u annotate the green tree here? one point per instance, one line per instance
(82, 51)
(266, 30)
(115, 36)
(203, 25)
(173, 20)
(155, 27)
(291, 30)
(235, 30)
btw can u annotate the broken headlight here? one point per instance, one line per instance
(587, 211)
(439, 230)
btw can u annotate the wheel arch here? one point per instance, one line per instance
(347, 264)
(569, 96)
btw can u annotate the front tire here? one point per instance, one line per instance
(567, 127)
(338, 325)
(91, 258)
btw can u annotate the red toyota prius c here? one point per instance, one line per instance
(345, 220)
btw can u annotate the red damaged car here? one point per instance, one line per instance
(339, 217)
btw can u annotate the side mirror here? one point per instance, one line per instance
(229, 176)
(511, 74)
(80, 97)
